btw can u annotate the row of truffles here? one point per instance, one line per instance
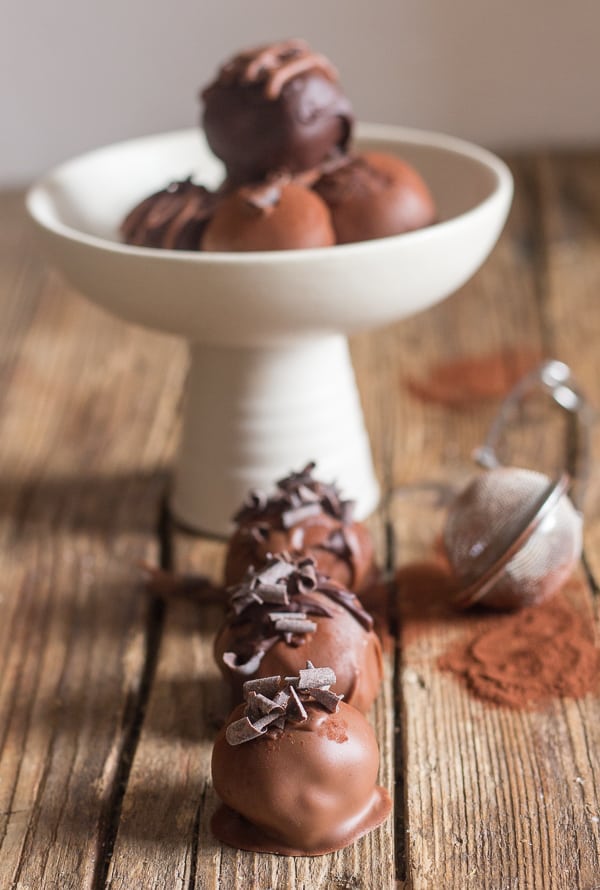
(296, 764)
(277, 118)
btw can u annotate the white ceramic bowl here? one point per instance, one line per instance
(271, 377)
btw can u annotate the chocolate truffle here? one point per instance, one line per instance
(375, 195)
(287, 613)
(296, 769)
(303, 517)
(172, 218)
(277, 215)
(275, 107)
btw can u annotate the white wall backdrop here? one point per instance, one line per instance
(80, 73)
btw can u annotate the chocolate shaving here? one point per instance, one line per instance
(296, 499)
(259, 533)
(258, 705)
(295, 709)
(241, 731)
(299, 514)
(266, 686)
(314, 678)
(270, 711)
(248, 667)
(282, 698)
(275, 571)
(267, 719)
(327, 698)
(295, 626)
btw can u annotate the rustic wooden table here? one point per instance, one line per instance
(109, 700)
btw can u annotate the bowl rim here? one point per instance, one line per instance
(364, 132)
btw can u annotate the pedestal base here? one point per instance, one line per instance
(252, 415)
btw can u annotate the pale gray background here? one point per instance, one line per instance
(82, 73)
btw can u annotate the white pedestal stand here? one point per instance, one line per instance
(253, 414)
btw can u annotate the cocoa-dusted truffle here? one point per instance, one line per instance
(375, 195)
(288, 612)
(172, 218)
(296, 769)
(275, 107)
(303, 517)
(277, 215)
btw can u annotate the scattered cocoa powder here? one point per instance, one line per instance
(336, 730)
(521, 660)
(525, 659)
(459, 383)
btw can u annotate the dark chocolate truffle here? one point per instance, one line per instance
(275, 107)
(287, 613)
(303, 517)
(375, 195)
(296, 769)
(172, 218)
(277, 215)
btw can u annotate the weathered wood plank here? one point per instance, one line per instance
(170, 800)
(493, 798)
(82, 472)
(569, 190)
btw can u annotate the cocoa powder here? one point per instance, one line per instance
(520, 660)
(459, 383)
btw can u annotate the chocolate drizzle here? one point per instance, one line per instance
(271, 701)
(274, 604)
(173, 218)
(274, 66)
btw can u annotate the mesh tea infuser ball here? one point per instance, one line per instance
(512, 536)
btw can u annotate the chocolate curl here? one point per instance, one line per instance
(272, 593)
(266, 686)
(299, 514)
(295, 710)
(241, 731)
(276, 570)
(294, 480)
(244, 729)
(282, 698)
(258, 706)
(292, 622)
(263, 722)
(327, 698)
(314, 678)
(258, 533)
(246, 668)
(249, 667)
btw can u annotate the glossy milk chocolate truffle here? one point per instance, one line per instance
(287, 613)
(173, 218)
(277, 107)
(277, 215)
(303, 517)
(296, 769)
(375, 195)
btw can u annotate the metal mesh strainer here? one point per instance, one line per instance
(513, 535)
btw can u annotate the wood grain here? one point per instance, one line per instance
(109, 701)
(493, 798)
(79, 488)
